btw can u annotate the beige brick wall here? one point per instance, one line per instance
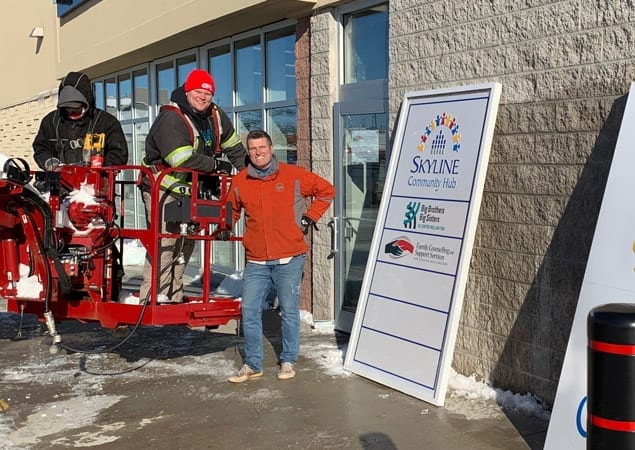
(323, 56)
(564, 67)
(19, 124)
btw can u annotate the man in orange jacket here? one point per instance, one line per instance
(273, 196)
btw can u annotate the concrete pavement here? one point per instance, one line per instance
(166, 388)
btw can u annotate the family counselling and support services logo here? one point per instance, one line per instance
(399, 247)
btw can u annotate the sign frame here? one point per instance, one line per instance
(447, 134)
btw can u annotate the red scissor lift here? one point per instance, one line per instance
(62, 252)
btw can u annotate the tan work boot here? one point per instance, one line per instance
(286, 371)
(245, 373)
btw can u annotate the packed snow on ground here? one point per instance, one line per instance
(466, 396)
(331, 358)
(319, 345)
(480, 395)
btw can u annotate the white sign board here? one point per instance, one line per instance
(609, 278)
(410, 301)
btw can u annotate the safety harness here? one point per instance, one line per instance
(59, 145)
(194, 134)
(177, 181)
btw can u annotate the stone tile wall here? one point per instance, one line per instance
(323, 57)
(20, 123)
(565, 67)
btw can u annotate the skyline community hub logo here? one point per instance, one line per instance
(436, 163)
(440, 140)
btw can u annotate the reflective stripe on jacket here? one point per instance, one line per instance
(175, 141)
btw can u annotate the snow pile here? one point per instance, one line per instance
(134, 253)
(28, 286)
(469, 387)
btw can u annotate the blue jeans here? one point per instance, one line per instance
(258, 279)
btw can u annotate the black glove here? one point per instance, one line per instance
(306, 223)
(222, 166)
(222, 234)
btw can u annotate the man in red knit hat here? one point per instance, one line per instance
(190, 133)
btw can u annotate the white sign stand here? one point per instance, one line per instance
(410, 302)
(609, 278)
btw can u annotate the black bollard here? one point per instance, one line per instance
(611, 377)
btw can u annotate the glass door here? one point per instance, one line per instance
(360, 169)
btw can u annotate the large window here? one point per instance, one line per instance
(126, 96)
(255, 85)
(248, 71)
(366, 45)
(170, 74)
(66, 6)
(220, 64)
(282, 126)
(281, 117)
(280, 66)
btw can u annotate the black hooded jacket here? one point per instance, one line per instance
(62, 138)
(170, 131)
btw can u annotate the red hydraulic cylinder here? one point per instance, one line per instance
(10, 260)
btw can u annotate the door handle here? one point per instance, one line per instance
(333, 226)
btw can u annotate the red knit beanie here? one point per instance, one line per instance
(200, 79)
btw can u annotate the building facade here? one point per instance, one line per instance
(319, 75)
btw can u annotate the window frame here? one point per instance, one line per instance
(233, 111)
(173, 58)
(341, 12)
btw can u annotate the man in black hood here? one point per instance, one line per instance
(60, 139)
